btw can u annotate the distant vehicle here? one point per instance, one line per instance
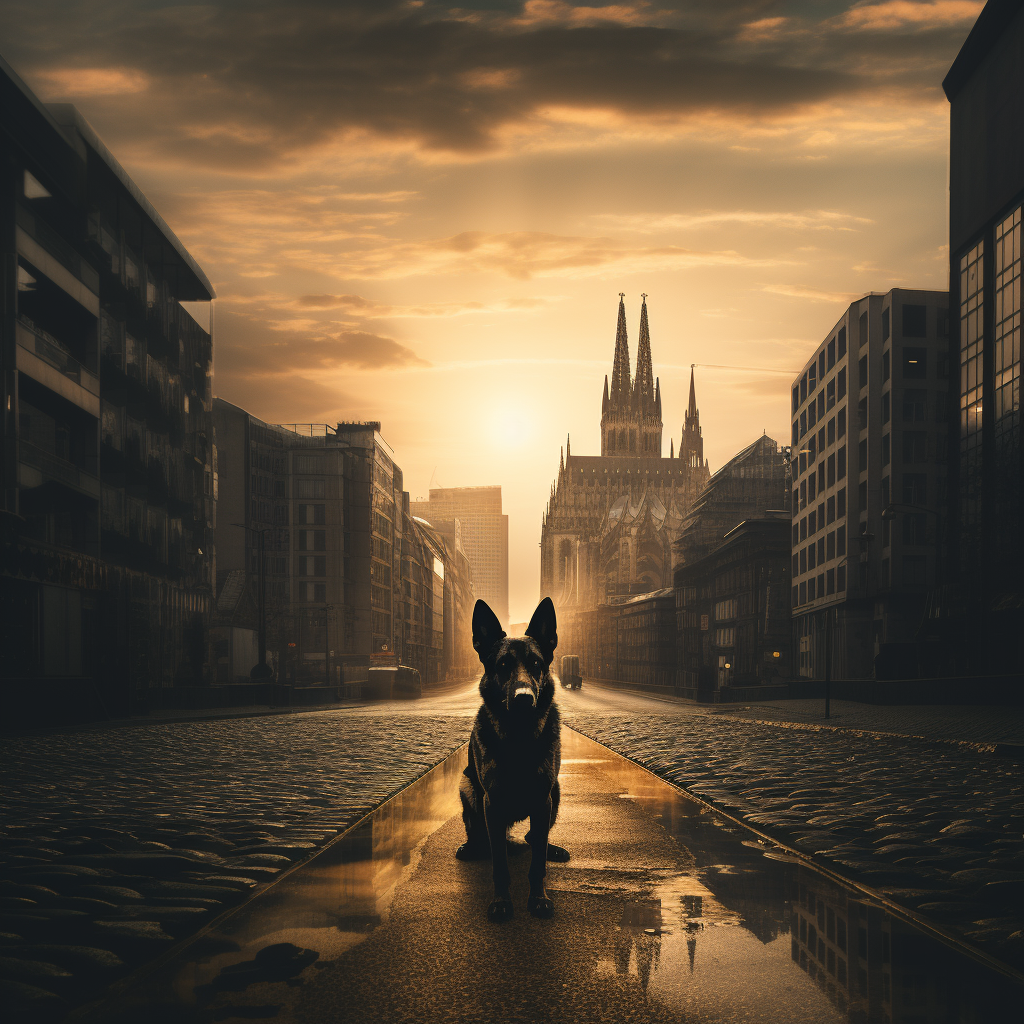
(569, 674)
(394, 683)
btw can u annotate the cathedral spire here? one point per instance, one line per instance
(657, 396)
(671, 448)
(620, 368)
(643, 386)
(604, 401)
(567, 447)
(691, 412)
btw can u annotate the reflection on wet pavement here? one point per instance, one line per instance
(667, 911)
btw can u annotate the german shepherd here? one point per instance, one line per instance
(515, 752)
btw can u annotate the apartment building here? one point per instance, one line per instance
(869, 443)
(108, 460)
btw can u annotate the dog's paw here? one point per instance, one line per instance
(500, 910)
(540, 906)
(467, 852)
(557, 854)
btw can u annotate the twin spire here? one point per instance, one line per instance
(644, 392)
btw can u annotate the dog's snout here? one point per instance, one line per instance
(522, 690)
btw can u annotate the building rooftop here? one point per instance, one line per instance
(992, 22)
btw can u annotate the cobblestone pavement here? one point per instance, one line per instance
(939, 829)
(115, 842)
(949, 723)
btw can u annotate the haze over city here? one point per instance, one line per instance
(424, 214)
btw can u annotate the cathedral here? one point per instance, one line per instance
(612, 519)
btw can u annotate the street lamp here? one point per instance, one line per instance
(261, 671)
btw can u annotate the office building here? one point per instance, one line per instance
(985, 597)
(473, 515)
(869, 437)
(108, 459)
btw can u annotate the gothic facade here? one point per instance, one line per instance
(612, 519)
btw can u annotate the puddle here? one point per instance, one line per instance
(385, 924)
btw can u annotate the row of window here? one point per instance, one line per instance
(834, 391)
(832, 581)
(824, 438)
(829, 355)
(829, 472)
(817, 519)
(831, 545)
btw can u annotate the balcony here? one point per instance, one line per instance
(44, 248)
(44, 359)
(39, 467)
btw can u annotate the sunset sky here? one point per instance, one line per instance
(423, 213)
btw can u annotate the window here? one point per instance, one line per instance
(803, 462)
(840, 540)
(316, 592)
(812, 378)
(803, 560)
(885, 491)
(942, 323)
(885, 452)
(312, 540)
(862, 367)
(862, 497)
(840, 582)
(885, 325)
(803, 423)
(811, 551)
(312, 515)
(796, 532)
(915, 445)
(915, 363)
(812, 449)
(862, 414)
(811, 480)
(841, 463)
(803, 528)
(821, 550)
(841, 503)
(832, 353)
(725, 637)
(803, 388)
(821, 405)
(796, 398)
(886, 369)
(796, 565)
(308, 464)
(885, 407)
(862, 455)
(830, 584)
(310, 489)
(915, 321)
(830, 394)
(821, 477)
(863, 329)
(812, 523)
(821, 365)
(312, 565)
(812, 415)
(841, 384)
(830, 545)
(915, 401)
(841, 422)
(831, 470)
(810, 590)
(725, 610)
(842, 342)
(803, 593)
(831, 506)
(796, 433)
(915, 525)
(831, 431)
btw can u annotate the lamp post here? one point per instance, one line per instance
(261, 671)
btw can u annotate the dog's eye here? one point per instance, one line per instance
(536, 666)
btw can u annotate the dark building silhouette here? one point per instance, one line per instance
(985, 87)
(869, 422)
(108, 459)
(352, 579)
(733, 608)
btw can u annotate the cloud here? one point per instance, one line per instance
(356, 305)
(817, 220)
(248, 86)
(814, 294)
(517, 254)
(899, 14)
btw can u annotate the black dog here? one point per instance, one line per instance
(514, 754)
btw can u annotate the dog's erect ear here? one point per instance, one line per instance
(543, 629)
(487, 630)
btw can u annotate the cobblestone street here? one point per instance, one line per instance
(118, 840)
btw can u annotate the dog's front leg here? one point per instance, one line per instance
(539, 903)
(501, 908)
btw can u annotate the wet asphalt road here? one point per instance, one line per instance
(116, 841)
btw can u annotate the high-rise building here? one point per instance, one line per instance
(473, 518)
(612, 519)
(869, 477)
(985, 87)
(108, 471)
